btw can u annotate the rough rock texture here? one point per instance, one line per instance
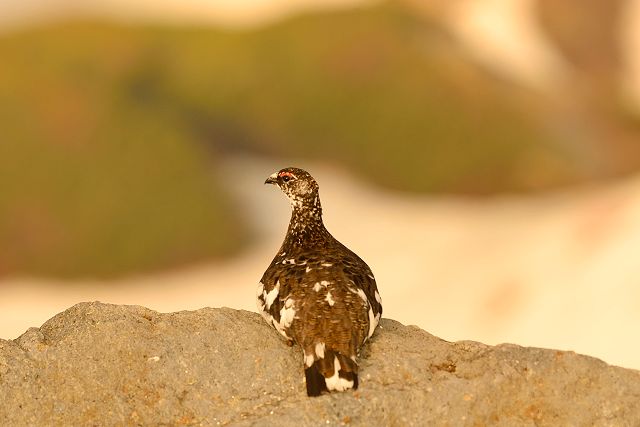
(99, 364)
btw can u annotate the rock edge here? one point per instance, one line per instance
(102, 364)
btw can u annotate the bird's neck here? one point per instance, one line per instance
(306, 227)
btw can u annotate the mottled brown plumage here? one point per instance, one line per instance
(316, 292)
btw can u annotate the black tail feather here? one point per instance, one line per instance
(315, 381)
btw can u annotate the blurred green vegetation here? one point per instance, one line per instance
(97, 175)
(110, 133)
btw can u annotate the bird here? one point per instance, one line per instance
(317, 293)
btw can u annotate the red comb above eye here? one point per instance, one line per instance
(289, 174)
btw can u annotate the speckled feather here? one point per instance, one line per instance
(317, 293)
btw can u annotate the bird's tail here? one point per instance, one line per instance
(332, 371)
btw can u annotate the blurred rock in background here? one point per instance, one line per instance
(494, 144)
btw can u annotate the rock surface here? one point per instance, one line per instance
(100, 364)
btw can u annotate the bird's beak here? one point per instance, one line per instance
(273, 178)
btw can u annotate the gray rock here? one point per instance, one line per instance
(100, 364)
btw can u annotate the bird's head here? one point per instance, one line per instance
(298, 185)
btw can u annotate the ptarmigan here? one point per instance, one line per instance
(317, 293)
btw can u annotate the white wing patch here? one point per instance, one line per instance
(260, 294)
(373, 318)
(329, 299)
(362, 295)
(287, 313)
(270, 297)
(377, 295)
(308, 359)
(320, 347)
(373, 322)
(320, 284)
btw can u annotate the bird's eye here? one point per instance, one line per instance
(286, 178)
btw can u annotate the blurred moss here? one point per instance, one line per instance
(97, 175)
